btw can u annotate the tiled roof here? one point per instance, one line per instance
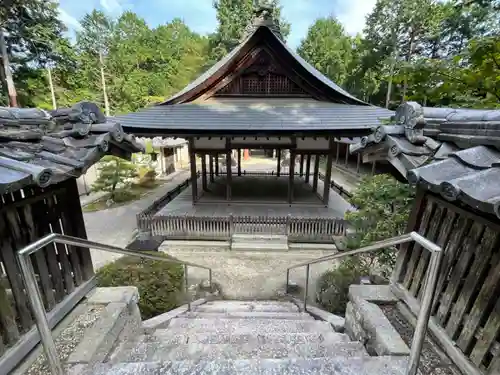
(423, 134)
(42, 148)
(250, 116)
(471, 176)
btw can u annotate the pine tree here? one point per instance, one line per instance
(114, 172)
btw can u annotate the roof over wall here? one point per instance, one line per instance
(471, 176)
(233, 116)
(418, 135)
(452, 152)
(43, 148)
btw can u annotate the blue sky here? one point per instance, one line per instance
(200, 15)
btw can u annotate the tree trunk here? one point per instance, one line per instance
(408, 58)
(11, 88)
(389, 83)
(103, 82)
(52, 92)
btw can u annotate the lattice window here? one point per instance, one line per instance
(262, 83)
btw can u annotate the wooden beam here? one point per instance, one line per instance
(278, 172)
(337, 153)
(204, 172)
(301, 172)
(328, 174)
(217, 164)
(358, 164)
(192, 165)
(346, 154)
(308, 167)
(373, 167)
(211, 167)
(239, 162)
(229, 174)
(291, 176)
(316, 173)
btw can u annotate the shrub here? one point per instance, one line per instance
(160, 283)
(384, 206)
(332, 288)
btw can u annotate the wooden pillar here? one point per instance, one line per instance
(316, 172)
(217, 164)
(373, 167)
(229, 174)
(211, 167)
(192, 165)
(278, 171)
(338, 153)
(308, 167)
(291, 176)
(346, 154)
(239, 162)
(301, 171)
(204, 172)
(358, 164)
(328, 174)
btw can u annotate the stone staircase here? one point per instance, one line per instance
(243, 337)
(259, 242)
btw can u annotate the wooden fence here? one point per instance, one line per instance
(466, 310)
(61, 271)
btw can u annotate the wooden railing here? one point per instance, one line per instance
(212, 228)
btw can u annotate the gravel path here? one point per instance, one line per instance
(250, 274)
(116, 226)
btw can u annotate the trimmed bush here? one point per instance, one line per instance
(332, 288)
(160, 283)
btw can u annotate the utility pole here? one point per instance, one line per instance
(51, 85)
(103, 82)
(6, 71)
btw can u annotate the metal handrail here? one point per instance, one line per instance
(34, 292)
(429, 288)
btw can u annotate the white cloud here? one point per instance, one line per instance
(70, 21)
(112, 6)
(353, 14)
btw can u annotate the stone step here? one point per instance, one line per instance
(296, 366)
(166, 336)
(249, 302)
(160, 351)
(254, 307)
(244, 326)
(259, 237)
(259, 246)
(247, 315)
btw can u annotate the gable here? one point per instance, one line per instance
(262, 65)
(263, 77)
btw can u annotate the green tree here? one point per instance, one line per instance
(384, 205)
(329, 49)
(114, 173)
(233, 17)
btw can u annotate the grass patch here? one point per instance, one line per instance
(123, 196)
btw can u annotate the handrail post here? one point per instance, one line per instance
(306, 291)
(186, 287)
(41, 321)
(210, 277)
(424, 313)
(287, 280)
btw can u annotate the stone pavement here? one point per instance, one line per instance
(116, 226)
